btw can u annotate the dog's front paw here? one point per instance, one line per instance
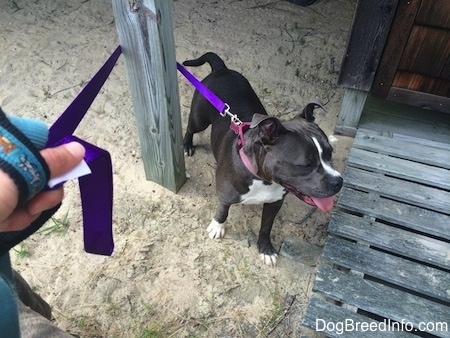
(216, 230)
(270, 260)
(267, 253)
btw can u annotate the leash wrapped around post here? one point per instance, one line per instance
(96, 188)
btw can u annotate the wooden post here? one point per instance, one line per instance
(370, 30)
(351, 109)
(146, 37)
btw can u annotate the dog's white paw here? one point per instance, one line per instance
(270, 260)
(216, 230)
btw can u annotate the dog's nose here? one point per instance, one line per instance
(336, 183)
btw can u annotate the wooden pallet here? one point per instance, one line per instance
(387, 258)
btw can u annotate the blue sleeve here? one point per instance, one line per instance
(9, 318)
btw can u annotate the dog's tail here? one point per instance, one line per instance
(213, 59)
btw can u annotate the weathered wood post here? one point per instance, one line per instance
(370, 29)
(146, 37)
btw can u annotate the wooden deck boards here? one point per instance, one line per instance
(387, 258)
(397, 118)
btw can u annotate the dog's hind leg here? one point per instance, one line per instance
(197, 123)
(188, 144)
(192, 129)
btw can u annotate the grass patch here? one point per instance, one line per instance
(281, 307)
(22, 251)
(57, 225)
(81, 322)
(87, 327)
(151, 333)
(246, 269)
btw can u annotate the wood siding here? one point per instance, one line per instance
(415, 66)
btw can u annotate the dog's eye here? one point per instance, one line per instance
(327, 152)
(303, 169)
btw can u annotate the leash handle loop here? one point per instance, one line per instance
(96, 189)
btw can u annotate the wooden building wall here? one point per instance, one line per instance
(415, 66)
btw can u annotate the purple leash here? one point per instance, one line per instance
(207, 94)
(97, 188)
(223, 108)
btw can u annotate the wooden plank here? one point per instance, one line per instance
(381, 300)
(427, 51)
(421, 83)
(413, 276)
(400, 142)
(405, 149)
(404, 169)
(395, 240)
(408, 141)
(398, 118)
(370, 29)
(419, 99)
(392, 126)
(399, 190)
(434, 13)
(408, 216)
(393, 49)
(420, 141)
(446, 74)
(405, 111)
(148, 45)
(351, 109)
(336, 321)
(344, 130)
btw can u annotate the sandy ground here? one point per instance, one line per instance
(166, 278)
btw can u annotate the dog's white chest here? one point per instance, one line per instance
(261, 193)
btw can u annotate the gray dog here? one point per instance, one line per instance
(273, 158)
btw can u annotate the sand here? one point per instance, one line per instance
(166, 278)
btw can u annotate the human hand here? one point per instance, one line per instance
(60, 160)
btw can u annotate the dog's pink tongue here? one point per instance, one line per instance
(324, 204)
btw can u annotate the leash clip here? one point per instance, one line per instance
(234, 118)
(226, 110)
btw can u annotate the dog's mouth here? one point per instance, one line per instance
(325, 204)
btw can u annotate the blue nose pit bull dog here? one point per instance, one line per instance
(283, 156)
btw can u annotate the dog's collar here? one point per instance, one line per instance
(239, 130)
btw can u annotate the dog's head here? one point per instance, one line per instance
(297, 155)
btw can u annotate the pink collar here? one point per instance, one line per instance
(239, 130)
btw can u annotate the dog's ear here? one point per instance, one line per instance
(257, 119)
(270, 128)
(308, 111)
